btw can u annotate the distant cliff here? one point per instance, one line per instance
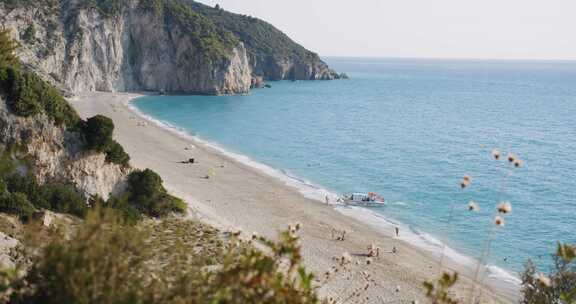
(174, 46)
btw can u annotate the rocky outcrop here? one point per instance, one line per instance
(83, 50)
(78, 48)
(57, 155)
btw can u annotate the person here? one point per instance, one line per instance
(327, 199)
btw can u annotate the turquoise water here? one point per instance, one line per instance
(410, 129)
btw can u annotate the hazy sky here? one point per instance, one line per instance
(520, 29)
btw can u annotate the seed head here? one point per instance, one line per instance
(499, 221)
(504, 207)
(496, 154)
(543, 280)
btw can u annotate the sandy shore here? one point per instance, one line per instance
(240, 197)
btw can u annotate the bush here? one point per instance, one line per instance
(26, 93)
(115, 154)
(53, 196)
(100, 264)
(29, 34)
(64, 198)
(170, 261)
(147, 194)
(98, 132)
(130, 214)
(7, 48)
(559, 286)
(17, 204)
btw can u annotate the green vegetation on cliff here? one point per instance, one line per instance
(26, 93)
(21, 194)
(260, 37)
(212, 41)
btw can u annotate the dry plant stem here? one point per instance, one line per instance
(488, 242)
(449, 230)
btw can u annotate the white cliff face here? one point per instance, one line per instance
(56, 155)
(135, 51)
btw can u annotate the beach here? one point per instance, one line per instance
(240, 196)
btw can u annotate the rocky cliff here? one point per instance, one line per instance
(55, 154)
(175, 46)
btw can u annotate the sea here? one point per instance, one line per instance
(410, 130)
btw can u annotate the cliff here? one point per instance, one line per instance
(174, 46)
(57, 155)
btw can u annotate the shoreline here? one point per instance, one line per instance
(272, 196)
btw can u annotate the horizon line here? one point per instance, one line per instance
(449, 58)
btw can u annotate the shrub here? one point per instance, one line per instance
(98, 132)
(130, 214)
(54, 196)
(100, 264)
(7, 48)
(559, 286)
(116, 154)
(26, 93)
(29, 34)
(163, 262)
(147, 194)
(64, 198)
(16, 203)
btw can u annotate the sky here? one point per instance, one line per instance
(483, 29)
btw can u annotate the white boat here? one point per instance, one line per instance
(370, 199)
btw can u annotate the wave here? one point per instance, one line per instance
(385, 225)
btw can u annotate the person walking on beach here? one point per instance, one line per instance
(396, 234)
(327, 199)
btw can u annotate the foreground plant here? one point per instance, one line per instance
(559, 286)
(439, 292)
(168, 261)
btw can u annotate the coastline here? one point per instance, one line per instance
(246, 195)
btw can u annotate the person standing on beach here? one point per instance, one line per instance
(327, 199)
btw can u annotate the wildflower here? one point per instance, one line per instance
(543, 280)
(499, 221)
(511, 158)
(518, 163)
(472, 206)
(504, 207)
(496, 154)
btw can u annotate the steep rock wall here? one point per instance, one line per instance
(56, 155)
(82, 50)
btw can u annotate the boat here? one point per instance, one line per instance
(370, 199)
